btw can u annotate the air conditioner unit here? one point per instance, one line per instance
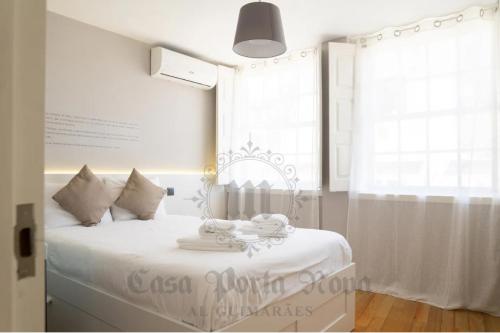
(181, 68)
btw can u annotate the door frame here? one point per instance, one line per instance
(22, 110)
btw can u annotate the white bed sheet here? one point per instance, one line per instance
(128, 259)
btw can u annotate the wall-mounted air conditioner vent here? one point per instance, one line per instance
(181, 68)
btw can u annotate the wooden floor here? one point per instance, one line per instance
(378, 312)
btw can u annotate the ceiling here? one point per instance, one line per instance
(205, 28)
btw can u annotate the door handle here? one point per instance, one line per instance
(24, 240)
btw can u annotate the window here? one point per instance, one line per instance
(276, 106)
(427, 112)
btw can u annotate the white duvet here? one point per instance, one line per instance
(139, 261)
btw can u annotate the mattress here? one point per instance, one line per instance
(139, 262)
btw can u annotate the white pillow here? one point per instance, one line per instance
(106, 218)
(56, 216)
(116, 185)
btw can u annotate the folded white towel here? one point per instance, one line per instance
(249, 228)
(230, 244)
(268, 225)
(270, 219)
(266, 234)
(200, 244)
(220, 235)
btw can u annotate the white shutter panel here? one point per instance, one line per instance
(341, 92)
(224, 109)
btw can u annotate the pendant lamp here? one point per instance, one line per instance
(259, 33)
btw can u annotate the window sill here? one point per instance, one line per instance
(447, 199)
(274, 191)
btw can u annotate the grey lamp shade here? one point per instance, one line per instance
(259, 33)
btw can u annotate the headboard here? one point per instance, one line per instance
(186, 186)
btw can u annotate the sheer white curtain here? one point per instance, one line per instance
(277, 108)
(424, 211)
(277, 111)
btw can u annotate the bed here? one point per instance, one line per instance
(130, 275)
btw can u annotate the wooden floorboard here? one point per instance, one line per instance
(447, 321)
(435, 319)
(491, 324)
(400, 317)
(421, 317)
(385, 313)
(375, 313)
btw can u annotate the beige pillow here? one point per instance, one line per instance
(86, 197)
(140, 196)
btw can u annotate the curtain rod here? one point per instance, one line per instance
(302, 53)
(416, 26)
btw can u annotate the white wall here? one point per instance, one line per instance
(93, 73)
(96, 80)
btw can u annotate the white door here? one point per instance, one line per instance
(22, 79)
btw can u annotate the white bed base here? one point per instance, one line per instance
(74, 306)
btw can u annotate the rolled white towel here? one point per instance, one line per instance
(270, 219)
(216, 226)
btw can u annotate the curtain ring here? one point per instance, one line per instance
(460, 18)
(437, 23)
(303, 54)
(276, 60)
(380, 36)
(417, 28)
(397, 33)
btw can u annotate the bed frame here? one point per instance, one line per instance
(73, 306)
